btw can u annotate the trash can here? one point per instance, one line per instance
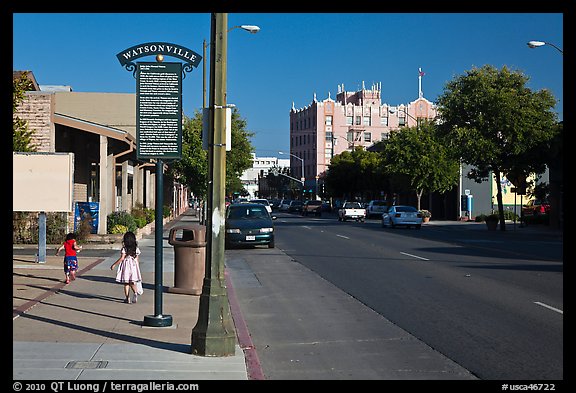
(189, 258)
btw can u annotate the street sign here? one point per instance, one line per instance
(159, 110)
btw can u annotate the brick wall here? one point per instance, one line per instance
(37, 109)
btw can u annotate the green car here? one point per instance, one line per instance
(249, 224)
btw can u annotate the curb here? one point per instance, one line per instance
(253, 367)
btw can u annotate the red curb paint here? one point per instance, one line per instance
(22, 309)
(244, 339)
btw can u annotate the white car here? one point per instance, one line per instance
(402, 215)
(263, 202)
(352, 211)
(376, 208)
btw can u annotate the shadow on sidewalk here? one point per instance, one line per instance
(182, 348)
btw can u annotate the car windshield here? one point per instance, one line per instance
(352, 205)
(406, 209)
(247, 212)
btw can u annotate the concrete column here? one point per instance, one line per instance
(126, 203)
(103, 191)
(137, 186)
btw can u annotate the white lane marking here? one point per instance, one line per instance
(550, 307)
(342, 236)
(306, 226)
(414, 256)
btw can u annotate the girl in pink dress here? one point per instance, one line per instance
(128, 267)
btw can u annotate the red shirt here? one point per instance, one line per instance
(69, 248)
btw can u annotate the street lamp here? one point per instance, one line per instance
(302, 160)
(249, 28)
(536, 44)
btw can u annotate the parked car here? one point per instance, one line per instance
(326, 206)
(263, 202)
(275, 204)
(284, 205)
(312, 206)
(352, 211)
(535, 207)
(376, 208)
(295, 206)
(402, 215)
(249, 224)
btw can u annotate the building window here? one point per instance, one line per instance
(402, 121)
(384, 121)
(384, 136)
(329, 136)
(358, 120)
(366, 120)
(367, 136)
(349, 120)
(350, 136)
(328, 120)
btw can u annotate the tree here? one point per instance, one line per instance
(353, 174)
(421, 161)
(492, 121)
(240, 157)
(192, 169)
(21, 135)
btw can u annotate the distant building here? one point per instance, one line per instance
(326, 128)
(252, 178)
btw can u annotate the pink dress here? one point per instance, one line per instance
(128, 269)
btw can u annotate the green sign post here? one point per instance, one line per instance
(158, 131)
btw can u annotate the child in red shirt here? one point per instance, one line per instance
(70, 248)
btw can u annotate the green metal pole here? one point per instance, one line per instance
(158, 319)
(214, 333)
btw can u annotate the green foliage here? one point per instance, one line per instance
(118, 229)
(495, 123)
(356, 173)
(240, 157)
(419, 160)
(166, 211)
(21, 135)
(192, 169)
(25, 227)
(121, 218)
(142, 215)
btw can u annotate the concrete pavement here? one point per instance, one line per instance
(84, 331)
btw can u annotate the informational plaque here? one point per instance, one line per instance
(159, 110)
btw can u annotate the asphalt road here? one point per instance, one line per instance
(491, 304)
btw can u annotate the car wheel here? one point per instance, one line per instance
(271, 244)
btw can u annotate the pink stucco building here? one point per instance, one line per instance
(327, 128)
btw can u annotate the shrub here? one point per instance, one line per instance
(426, 213)
(121, 218)
(140, 221)
(118, 229)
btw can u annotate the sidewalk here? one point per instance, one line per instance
(84, 331)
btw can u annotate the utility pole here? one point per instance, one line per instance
(214, 333)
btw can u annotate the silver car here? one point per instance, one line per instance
(402, 215)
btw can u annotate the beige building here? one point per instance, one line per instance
(100, 129)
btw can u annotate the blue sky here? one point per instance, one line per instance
(295, 55)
